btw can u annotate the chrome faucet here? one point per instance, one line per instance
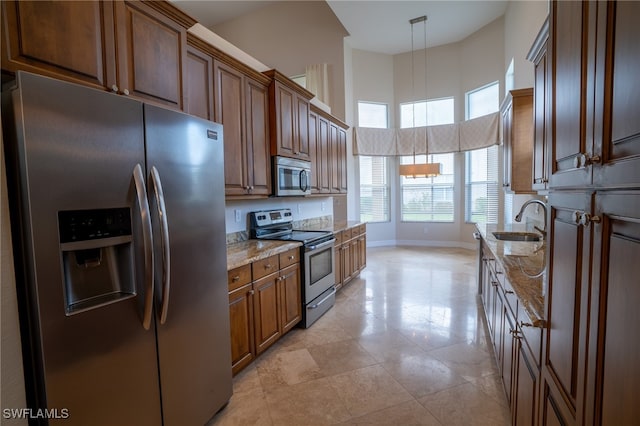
(518, 217)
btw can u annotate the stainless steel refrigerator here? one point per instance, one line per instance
(119, 231)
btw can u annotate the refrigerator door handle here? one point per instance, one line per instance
(166, 256)
(145, 217)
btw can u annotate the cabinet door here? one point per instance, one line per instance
(617, 128)
(541, 112)
(70, 40)
(151, 53)
(241, 322)
(229, 112)
(284, 117)
(569, 26)
(614, 347)
(198, 92)
(525, 376)
(362, 250)
(567, 296)
(257, 138)
(342, 159)
(334, 158)
(301, 142)
(290, 297)
(314, 148)
(266, 312)
(337, 264)
(509, 327)
(506, 146)
(325, 165)
(355, 256)
(347, 262)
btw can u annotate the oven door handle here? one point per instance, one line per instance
(321, 245)
(324, 299)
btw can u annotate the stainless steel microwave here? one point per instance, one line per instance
(292, 177)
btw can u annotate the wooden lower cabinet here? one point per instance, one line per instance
(267, 324)
(350, 253)
(241, 316)
(263, 310)
(515, 342)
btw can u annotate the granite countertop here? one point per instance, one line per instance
(333, 227)
(245, 252)
(520, 261)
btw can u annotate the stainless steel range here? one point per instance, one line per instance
(318, 288)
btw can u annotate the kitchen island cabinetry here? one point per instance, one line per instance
(128, 47)
(264, 303)
(289, 115)
(242, 106)
(513, 304)
(517, 139)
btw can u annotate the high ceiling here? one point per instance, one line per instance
(376, 26)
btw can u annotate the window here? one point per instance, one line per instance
(438, 111)
(481, 165)
(428, 199)
(374, 173)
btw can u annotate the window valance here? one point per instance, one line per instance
(468, 135)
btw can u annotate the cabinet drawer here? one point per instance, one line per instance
(532, 335)
(338, 237)
(289, 258)
(362, 229)
(264, 267)
(346, 234)
(239, 276)
(509, 294)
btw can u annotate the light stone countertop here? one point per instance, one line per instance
(245, 252)
(520, 261)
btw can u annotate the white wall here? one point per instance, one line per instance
(289, 35)
(301, 207)
(522, 22)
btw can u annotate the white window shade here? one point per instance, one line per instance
(481, 132)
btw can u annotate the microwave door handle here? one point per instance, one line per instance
(145, 218)
(164, 229)
(304, 183)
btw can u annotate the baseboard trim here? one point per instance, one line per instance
(418, 243)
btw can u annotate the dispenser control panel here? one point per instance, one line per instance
(83, 225)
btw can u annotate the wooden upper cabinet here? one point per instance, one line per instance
(129, 47)
(152, 50)
(617, 97)
(314, 148)
(517, 134)
(198, 91)
(242, 106)
(569, 24)
(69, 40)
(541, 110)
(289, 115)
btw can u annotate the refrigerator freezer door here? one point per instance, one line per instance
(194, 343)
(76, 150)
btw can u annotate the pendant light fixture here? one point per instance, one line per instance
(421, 169)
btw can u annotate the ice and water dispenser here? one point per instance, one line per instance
(97, 257)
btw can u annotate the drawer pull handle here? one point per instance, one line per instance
(267, 266)
(236, 279)
(525, 324)
(508, 291)
(494, 283)
(291, 257)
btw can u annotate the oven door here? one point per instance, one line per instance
(318, 269)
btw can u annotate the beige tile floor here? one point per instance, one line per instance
(405, 344)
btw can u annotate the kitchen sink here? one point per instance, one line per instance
(517, 236)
